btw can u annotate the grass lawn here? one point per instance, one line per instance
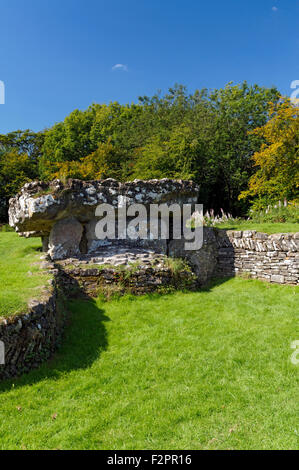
(204, 370)
(19, 279)
(260, 227)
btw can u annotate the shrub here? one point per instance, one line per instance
(287, 212)
(6, 228)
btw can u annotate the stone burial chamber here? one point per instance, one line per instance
(80, 264)
(64, 214)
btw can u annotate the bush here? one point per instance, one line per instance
(6, 228)
(277, 214)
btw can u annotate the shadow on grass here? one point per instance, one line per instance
(31, 250)
(208, 287)
(84, 339)
(215, 282)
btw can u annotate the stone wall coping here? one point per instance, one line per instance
(255, 235)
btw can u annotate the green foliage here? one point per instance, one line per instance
(19, 155)
(100, 164)
(208, 141)
(173, 158)
(66, 141)
(238, 110)
(6, 228)
(276, 214)
(83, 133)
(277, 159)
(15, 170)
(177, 265)
(204, 136)
(27, 142)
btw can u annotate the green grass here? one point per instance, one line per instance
(266, 227)
(17, 284)
(204, 370)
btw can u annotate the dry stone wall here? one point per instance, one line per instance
(272, 258)
(31, 338)
(93, 282)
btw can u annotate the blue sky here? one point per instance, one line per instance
(58, 55)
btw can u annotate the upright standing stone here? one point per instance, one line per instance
(65, 238)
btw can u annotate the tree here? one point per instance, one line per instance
(66, 141)
(27, 141)
(277, 160)
(237, 110)
(19, 155)
(203, 136)
(15, 170)
(175, 157)
(101, 163)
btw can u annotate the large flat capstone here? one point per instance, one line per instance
(64, 214)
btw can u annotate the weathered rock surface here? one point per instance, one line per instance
(40, 209)
(65, 238)
(39, 205)
(204, 261)
(117, 256)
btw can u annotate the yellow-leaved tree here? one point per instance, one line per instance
(277, 161)
(101, 163)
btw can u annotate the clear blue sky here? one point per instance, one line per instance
(58, 55)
